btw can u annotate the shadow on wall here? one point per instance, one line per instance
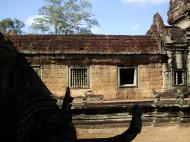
(24, 99)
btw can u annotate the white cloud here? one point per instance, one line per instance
(144, 1)
(28, 22)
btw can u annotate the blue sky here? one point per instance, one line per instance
(116, 17)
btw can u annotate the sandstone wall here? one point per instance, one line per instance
(104, 81)
(149, 77)
(54, 78)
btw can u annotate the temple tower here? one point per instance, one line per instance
(179, 16)
(174, 42)
(179, 13)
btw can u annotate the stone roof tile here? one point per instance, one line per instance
(175, 33)
(86, 44)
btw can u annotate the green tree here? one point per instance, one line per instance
(65, 17)
(11, 25)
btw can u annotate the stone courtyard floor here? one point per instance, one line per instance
(170, 133)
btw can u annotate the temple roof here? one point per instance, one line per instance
(175, 33)
(86, 44)
(165, 33)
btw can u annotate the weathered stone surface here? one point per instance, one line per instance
(85, 44)
(178, 14)
(165, 33)
(157, 134)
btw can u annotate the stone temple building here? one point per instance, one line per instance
(114, 67)
(97, 68)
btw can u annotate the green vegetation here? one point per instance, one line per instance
(65, 17)
(11, 25)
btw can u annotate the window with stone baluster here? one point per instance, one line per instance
(79, 77)
(179, 77)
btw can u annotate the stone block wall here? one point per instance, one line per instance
(54, 78)
(104, 81)
(150, 77)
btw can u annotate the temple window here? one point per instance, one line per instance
(127, 76)
(179, 77)
(79, 77)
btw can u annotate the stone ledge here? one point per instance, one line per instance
(94, 98)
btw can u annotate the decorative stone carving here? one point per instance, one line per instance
(178, 14)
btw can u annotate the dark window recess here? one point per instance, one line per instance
(127, 77)
(179, 78)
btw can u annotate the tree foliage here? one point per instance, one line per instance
(11, 25)
(65, 17)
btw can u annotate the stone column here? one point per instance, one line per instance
(188, 67)
(188, 58)
(166, 77)
(179, 60)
